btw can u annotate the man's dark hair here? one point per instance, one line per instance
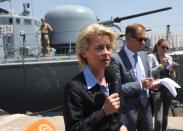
(132, 29)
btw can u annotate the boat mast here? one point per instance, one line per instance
(168, 32)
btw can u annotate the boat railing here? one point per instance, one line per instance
(24, 48)
(27, 47)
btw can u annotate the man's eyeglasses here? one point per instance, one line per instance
(164, 47)
(139, 39)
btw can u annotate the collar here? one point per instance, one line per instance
(129, 52)
(91, 81)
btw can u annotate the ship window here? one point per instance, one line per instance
(37, 23)
(27, 22)
(10, 20)
(18, 21)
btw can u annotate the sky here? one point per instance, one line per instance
(105, 9)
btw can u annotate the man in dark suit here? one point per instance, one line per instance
(134, 74)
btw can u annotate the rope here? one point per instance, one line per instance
(45, 111)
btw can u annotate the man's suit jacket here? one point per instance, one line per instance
(82, 108)
(130, 87)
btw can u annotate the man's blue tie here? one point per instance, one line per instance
(143, 97)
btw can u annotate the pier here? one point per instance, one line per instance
(21, 122)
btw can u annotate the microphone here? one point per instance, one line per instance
(111, 78)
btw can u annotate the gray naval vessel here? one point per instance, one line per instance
(32, 82)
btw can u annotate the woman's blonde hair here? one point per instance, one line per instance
(88, 33)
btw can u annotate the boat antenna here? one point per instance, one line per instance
(32, 7)
(169, 36)
(170, 39)
(10, 4)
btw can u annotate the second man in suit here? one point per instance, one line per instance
(134, 75)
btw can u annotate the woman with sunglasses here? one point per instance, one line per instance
(161, 97)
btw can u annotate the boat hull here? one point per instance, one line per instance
(34, 86)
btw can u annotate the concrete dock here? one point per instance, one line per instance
(20, 122)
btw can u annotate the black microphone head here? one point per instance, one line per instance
(110, 74)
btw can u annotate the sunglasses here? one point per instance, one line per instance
(164, 47)
(139, 39)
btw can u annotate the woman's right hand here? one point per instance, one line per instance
(111, 104)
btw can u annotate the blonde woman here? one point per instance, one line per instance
(87, 103)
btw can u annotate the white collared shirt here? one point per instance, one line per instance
(130, 55)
